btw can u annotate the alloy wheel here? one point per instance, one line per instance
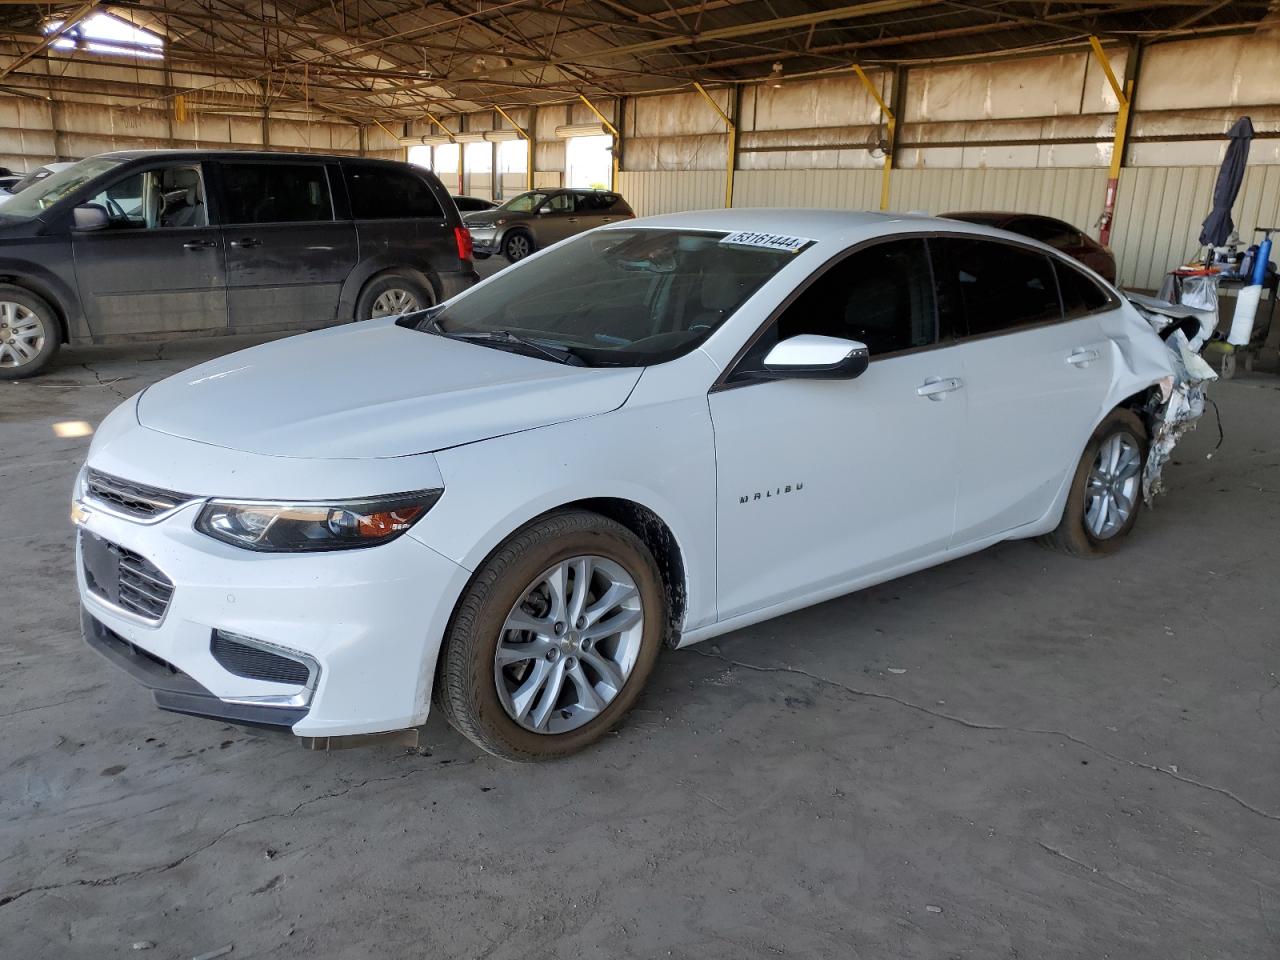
(568, 646)
(1111, 492)
(22, 334)
(393, 303)
(517, 247)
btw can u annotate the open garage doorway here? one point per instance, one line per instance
(589, 162)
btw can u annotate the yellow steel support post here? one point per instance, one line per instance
(447, 132)
(1124, 97)
(528, 169)
(731, 147)
(891, 128)
(617, 140)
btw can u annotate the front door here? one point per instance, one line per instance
(1035, 381)
(826, 483)
(288, 254)
(557, 218)
(158, 266)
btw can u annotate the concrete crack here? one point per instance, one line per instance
(1080, 863)
(76, 695)
(109, 384)
(978, 725)
(163, 867)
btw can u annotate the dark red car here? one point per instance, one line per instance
(1057, 234)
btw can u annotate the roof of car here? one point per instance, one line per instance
(813, 224)
(181, 153)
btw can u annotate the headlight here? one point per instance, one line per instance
(309, 526)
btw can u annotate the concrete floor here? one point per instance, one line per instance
(1013, 755)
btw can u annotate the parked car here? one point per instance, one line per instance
(652, 434)
(166, 243)
(539, 218)
(1056, 233)
(35, 176)
(472, 204)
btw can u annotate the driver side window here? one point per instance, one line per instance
(881, 296)
(152, 199)
(560, 203)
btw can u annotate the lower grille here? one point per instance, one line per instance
(124, 578)
(255, 663)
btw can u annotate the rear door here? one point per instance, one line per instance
(399, 220)
(288, 253)
(1035, 380)
(158, 266)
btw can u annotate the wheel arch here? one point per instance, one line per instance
(46, 292)
(371, 270)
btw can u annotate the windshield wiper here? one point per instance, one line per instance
(498, 338)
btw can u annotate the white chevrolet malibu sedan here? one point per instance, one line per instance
(647, 435)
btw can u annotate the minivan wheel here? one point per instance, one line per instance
(517, 245)
(29, 333)
(554, 638)
(1106, 492)
(390, 295)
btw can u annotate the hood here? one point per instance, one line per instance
(373, 389)
(484, 218)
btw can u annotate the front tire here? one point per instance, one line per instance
(392, 294)
(1106, 492)
(29, 332)
(517, 245)
(554, 638)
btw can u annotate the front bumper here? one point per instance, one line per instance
(485, 239)
(370, 620)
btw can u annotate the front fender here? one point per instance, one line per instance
(59, 290)
(661, 457)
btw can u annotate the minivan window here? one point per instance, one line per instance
(385, 193)
(275, 193)
(167, 197)
(989, 286)
(43, 194)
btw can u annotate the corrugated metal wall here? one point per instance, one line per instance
(658, 191)
(838, 189)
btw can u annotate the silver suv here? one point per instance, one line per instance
(539, 218)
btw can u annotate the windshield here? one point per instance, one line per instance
(620, 297)
(525, 202)
(43, 194)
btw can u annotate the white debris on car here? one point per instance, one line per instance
(1183, 399)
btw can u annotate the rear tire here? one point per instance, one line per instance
(559, 681)
(1106, 491)
(517, 245)
(30, 333)
(391, 294)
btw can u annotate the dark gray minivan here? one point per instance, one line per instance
(160, 243)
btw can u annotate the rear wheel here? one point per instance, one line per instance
(1106, 492)
(517, 245)
(392, 294)
(29, 333)
(554, 638)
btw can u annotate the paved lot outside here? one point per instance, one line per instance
(1013, 755)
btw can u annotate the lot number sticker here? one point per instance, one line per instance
(771, 241)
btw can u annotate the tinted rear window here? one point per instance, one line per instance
(388, 193)
(275, 193)
(991, 286)
(1080, 294)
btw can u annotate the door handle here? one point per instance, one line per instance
(572, 220)
(937, 388)
(246, 242)
(199, 244)
(1083, 357)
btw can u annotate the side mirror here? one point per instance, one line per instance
(813, 357)
(90, 216)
